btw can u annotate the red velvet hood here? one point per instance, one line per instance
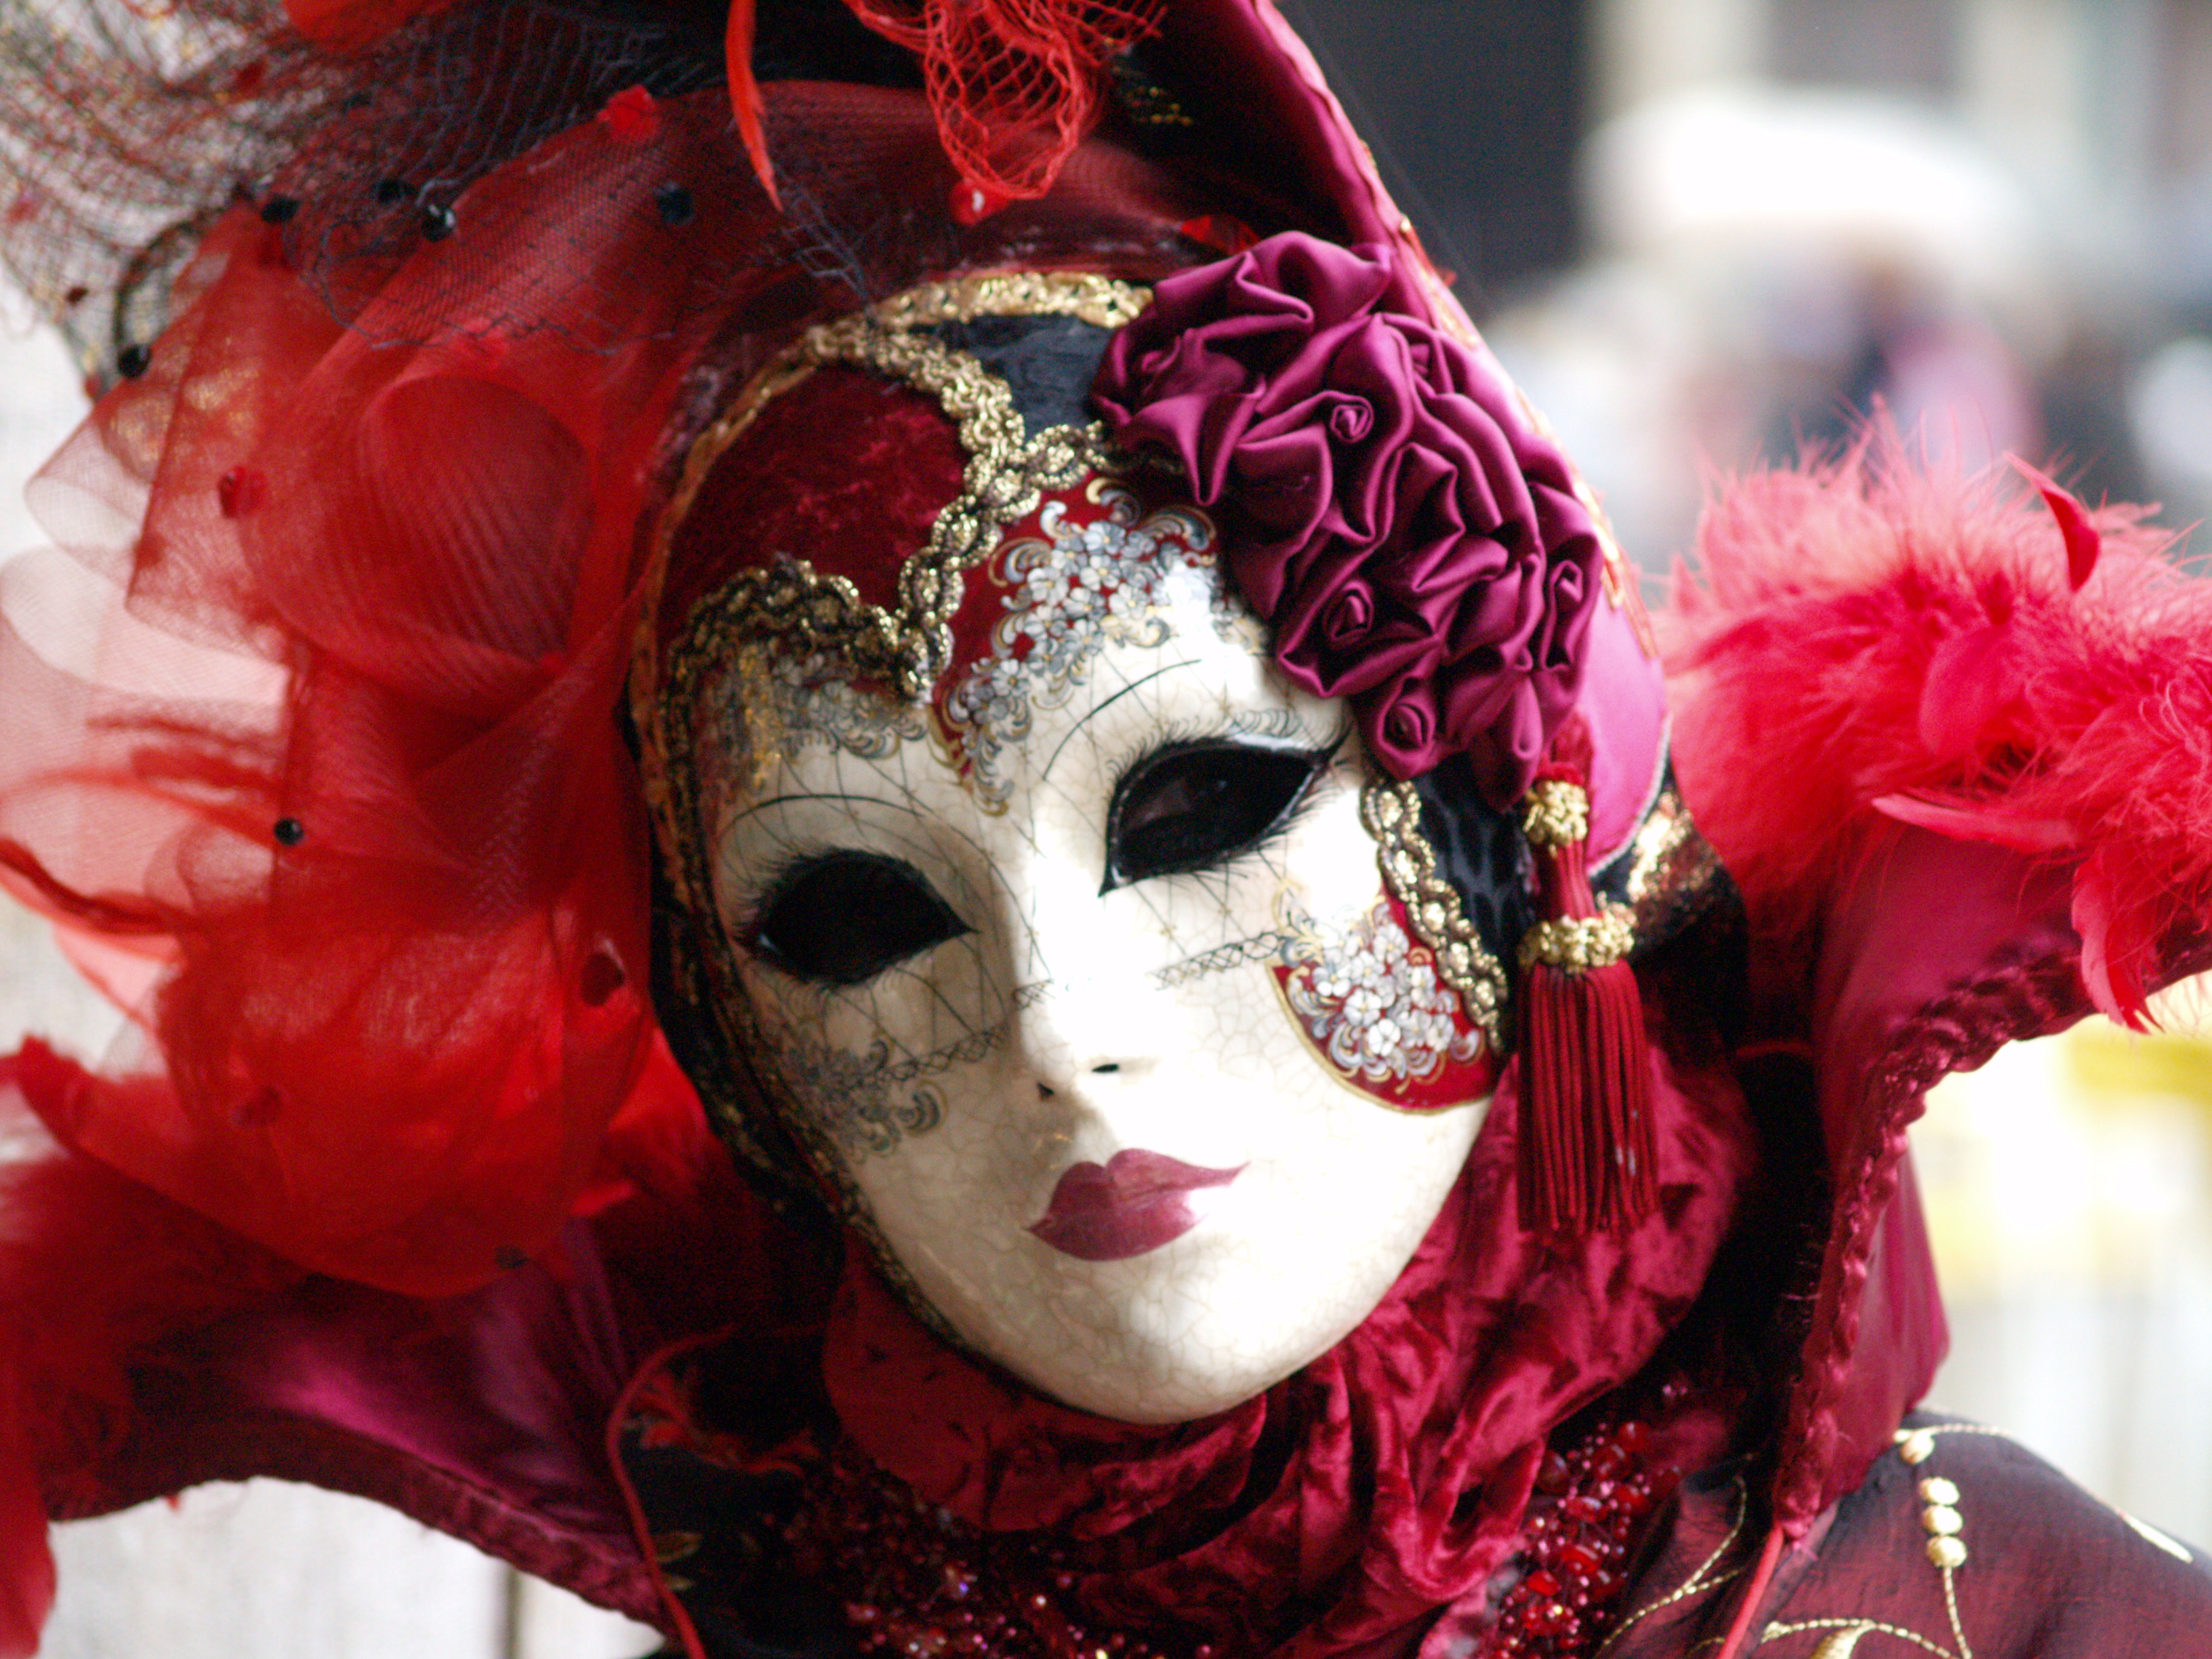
(336, 1274)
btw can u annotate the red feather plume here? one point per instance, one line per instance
(1936, 650)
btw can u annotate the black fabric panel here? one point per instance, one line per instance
(1048, 361)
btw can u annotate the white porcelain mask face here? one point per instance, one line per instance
(1084, 978)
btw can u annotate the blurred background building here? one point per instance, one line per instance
(1704, 231)
(1704, 234)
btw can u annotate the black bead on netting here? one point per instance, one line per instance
(438, 222)
(133, 361)
(391, 190)
(361, 99)
(290, 832)
(674, 205)
(280, 209)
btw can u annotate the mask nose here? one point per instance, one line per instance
(1091, 1038)
(1089, 1022)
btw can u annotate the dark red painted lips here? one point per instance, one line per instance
(1138, 1202)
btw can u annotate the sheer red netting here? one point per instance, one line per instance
(1015, 83)
(311, 745)
(337, 768)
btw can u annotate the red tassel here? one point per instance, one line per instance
(1586, 1145)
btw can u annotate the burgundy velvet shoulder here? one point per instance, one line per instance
(2039, 1567)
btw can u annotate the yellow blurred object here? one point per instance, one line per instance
(2113, 1068)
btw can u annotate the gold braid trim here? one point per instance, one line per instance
(804, 611)
(1392, 814)
(1578, 944)
(1098, 300)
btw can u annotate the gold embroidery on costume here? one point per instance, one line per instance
(1557, 813)
(2153, 1536)
(1943, 1523)
(1579, 944)
(1698, 1582)
(1673, 870)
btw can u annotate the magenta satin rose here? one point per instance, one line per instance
(1415, 546)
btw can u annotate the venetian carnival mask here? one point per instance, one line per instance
(1075, 975)
(1082, 956)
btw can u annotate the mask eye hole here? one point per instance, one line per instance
(841, 918)
(1194, 806)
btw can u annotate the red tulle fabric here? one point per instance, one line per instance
(1344, 1507)
(1016, 84)
(312, 751)
(313, 747)
(339, 768)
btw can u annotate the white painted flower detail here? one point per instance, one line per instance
(1067, 593)
(762, 705)
(1370, 999)
(819, 704)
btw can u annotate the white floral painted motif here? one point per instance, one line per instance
(1370, 999)
(869, 1103)
(1067, 593)
(766, 705)
(816, 703)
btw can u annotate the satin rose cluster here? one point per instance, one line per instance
(1415, 546)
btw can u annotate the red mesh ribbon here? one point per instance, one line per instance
(1586, 1135)
(1015, 83)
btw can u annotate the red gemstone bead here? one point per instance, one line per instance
(1541, 1582)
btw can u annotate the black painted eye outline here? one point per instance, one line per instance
(1151, 832)
(843, 917)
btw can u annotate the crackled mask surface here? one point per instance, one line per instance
(1081, 979)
